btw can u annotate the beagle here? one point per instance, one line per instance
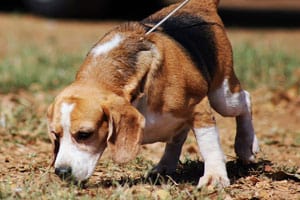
(135, 88)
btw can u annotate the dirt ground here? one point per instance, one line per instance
(276, 114)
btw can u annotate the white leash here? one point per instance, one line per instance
(166, 17)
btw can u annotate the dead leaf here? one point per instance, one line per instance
(268, 168)
(253, 180)
(192, 149)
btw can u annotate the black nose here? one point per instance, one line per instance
(64, 172)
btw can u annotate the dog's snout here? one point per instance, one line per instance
(64, 172)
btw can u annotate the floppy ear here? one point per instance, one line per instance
(53, 138)
(126, 126)
(55, 144)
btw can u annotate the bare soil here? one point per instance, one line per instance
(276, 114)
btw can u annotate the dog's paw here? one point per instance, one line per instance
(247, 150)
(162, 170)
(215, 181)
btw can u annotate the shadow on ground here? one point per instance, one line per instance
(190, 171)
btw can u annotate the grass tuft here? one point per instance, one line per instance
(268, 66)
(34, 68)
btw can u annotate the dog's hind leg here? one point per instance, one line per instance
(168, 162)
(231, 100)
(207, 136)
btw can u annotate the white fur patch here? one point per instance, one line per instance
(65, 119)
(107, 46)
(209, 144)
(227, 103)
(214, 159)
(70, 155)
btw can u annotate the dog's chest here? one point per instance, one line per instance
(159, 127)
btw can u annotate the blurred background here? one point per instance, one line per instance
(233, 12)
(44, 42)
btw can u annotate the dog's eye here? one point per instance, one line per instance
(84, 135)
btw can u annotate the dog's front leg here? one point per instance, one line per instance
(215, 173)
(170, 158)
(207, 136)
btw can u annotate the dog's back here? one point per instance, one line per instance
(199, 29)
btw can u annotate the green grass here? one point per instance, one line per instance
(256, 66)
(35, 68)
(23, 121)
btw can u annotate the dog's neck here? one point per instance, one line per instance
(119, 62)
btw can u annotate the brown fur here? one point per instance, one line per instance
(157, 67)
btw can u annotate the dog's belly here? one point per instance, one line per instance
(161, 128)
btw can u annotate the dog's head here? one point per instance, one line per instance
(96, 110)
(83, 121)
